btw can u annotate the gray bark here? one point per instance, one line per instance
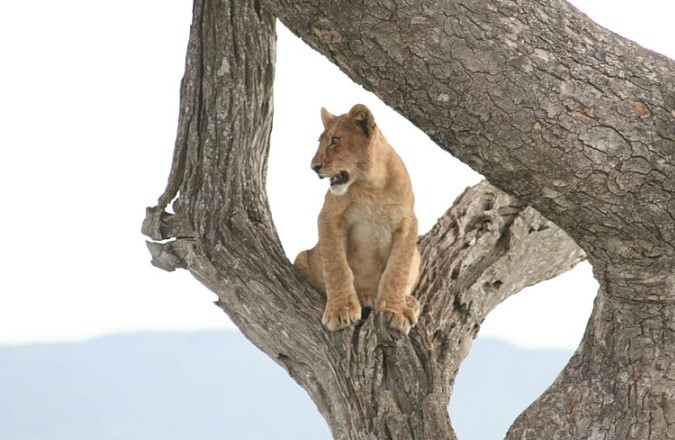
(574, 120)
(565, 116)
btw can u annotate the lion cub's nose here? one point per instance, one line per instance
(317, 168)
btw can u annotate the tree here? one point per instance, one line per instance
(564, 117)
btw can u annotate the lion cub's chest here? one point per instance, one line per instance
(369, 239)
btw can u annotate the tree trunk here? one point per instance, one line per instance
(565, 116)
(574, 120)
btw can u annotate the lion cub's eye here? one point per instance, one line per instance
(334, 141)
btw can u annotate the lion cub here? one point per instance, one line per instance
(367, 252)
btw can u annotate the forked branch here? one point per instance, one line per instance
(368, 383)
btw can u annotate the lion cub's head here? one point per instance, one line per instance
(344, 147)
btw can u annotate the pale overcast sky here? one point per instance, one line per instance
(88, 110)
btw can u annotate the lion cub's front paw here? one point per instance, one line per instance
(342, 313)
(402, 315)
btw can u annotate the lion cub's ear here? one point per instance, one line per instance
(363, 118)
(326, 117)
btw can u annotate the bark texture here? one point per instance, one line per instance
(563, 115)
(574, 120)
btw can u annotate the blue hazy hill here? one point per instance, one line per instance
(217, 385)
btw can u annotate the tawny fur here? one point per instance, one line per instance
(367, 252)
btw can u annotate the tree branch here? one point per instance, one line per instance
(488, 246)
(534, 96)
(368, 383)
(575, 121)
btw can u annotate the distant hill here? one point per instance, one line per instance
(496, 382)
(216, 385)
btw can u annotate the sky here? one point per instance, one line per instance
(88, 114)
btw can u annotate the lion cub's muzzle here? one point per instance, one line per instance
(339, 179)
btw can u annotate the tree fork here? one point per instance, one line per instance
(366, 382)
(574, 120)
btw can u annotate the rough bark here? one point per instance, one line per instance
(574, 120)
(567, 117)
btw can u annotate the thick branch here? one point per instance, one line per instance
(487, 247)
(629, 393)
(367, 383)
(575, 120)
